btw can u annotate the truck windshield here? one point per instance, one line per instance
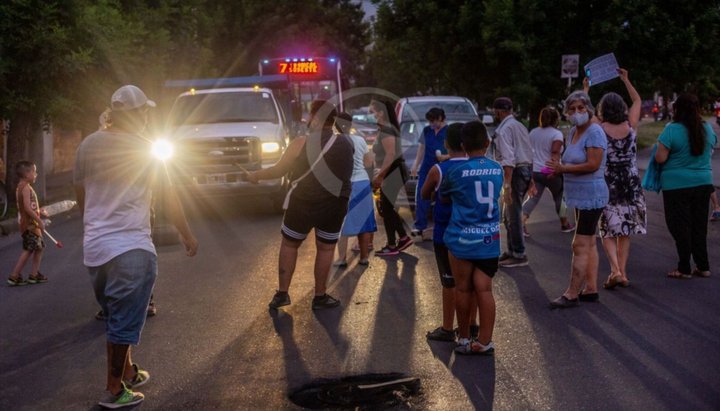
(231, 107)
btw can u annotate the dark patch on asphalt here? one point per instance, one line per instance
(368, 391)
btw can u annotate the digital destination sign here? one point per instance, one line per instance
(301, 68)
(298, 67)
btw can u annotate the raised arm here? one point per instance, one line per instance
(634, 111)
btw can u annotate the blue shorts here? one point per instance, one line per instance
(123, 287)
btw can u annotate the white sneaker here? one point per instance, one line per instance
(473, 347)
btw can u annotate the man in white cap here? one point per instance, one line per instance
(115, 175)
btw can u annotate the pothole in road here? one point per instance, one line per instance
(368, 391)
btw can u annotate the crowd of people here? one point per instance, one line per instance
(593, 170)
(337, 182)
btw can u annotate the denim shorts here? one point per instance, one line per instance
(123, 287)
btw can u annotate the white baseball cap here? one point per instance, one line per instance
(129, 98)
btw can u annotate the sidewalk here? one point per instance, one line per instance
(643, 158)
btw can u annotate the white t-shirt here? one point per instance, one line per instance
(541, 140)
(116, 170)
(361, 148)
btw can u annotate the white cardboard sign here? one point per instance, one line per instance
(602, 69)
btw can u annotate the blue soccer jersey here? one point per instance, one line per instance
(474, 189)
(443, 206)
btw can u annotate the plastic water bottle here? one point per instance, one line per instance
(59, 207)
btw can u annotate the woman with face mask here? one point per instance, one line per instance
(583, 171)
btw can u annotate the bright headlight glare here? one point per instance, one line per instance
(270, 147)
(162, 149)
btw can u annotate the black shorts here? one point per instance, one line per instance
(325, 216)
(32, 241)
(487, 265)
(587, 221)
(442, 256)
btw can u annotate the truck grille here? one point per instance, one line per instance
(220, 154)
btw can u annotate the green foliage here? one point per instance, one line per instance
(514, 47)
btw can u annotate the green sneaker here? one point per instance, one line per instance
(125, 398)
(141, 377)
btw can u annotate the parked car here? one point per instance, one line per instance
(411, 116)
(364, 124)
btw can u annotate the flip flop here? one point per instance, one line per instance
(703, 274)
(678, 275)
(611, 282)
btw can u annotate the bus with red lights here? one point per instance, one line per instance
(309, 78)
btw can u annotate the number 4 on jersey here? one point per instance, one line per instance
(485, 199)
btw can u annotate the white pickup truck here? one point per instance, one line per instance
(220, 133)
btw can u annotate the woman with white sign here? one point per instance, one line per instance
(625, 213)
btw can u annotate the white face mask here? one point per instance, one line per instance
(579, 119)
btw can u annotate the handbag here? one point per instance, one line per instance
(651, 179)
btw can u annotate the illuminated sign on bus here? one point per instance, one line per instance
(301, 67)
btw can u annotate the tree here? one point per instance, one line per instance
(37, 55)
(514, 48)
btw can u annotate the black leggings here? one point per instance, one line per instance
(686, 216)
(386, 207)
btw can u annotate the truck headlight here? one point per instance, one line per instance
(270, 148)
(162, 149)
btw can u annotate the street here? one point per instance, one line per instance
(215, 345)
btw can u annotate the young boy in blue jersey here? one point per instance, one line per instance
(441, 217)
(473, 236)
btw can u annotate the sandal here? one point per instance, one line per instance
(678, 275)
(37, 279)
(612, 282)
(16, 281)
(703, 274)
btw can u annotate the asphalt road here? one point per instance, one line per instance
(214, 344)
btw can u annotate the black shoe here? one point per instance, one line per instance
(404, 243)
(279, 299)
(564, 302)
(504, 256)
(324, 301)
(441, 334)
(589, 298)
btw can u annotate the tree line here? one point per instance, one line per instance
(60, 60)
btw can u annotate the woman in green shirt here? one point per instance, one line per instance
(684, 149)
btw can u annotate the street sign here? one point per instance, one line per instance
(570, 65)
